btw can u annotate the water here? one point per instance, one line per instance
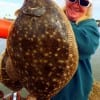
(99, 42)
(2, 44)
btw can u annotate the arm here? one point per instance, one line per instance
(87, 37)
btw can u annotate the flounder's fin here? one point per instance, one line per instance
(4, 77)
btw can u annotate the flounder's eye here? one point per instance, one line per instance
(38, 11)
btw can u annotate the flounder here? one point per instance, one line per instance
(41, 53)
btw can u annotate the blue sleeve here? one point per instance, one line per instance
(87, 37)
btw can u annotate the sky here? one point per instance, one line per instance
(8, 7)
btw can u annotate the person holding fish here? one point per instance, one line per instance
(87, 37)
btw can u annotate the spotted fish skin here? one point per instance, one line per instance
(14, 85)
(42, 49)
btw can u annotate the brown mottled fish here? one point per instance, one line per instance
(41, 53)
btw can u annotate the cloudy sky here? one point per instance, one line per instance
(8, 7)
